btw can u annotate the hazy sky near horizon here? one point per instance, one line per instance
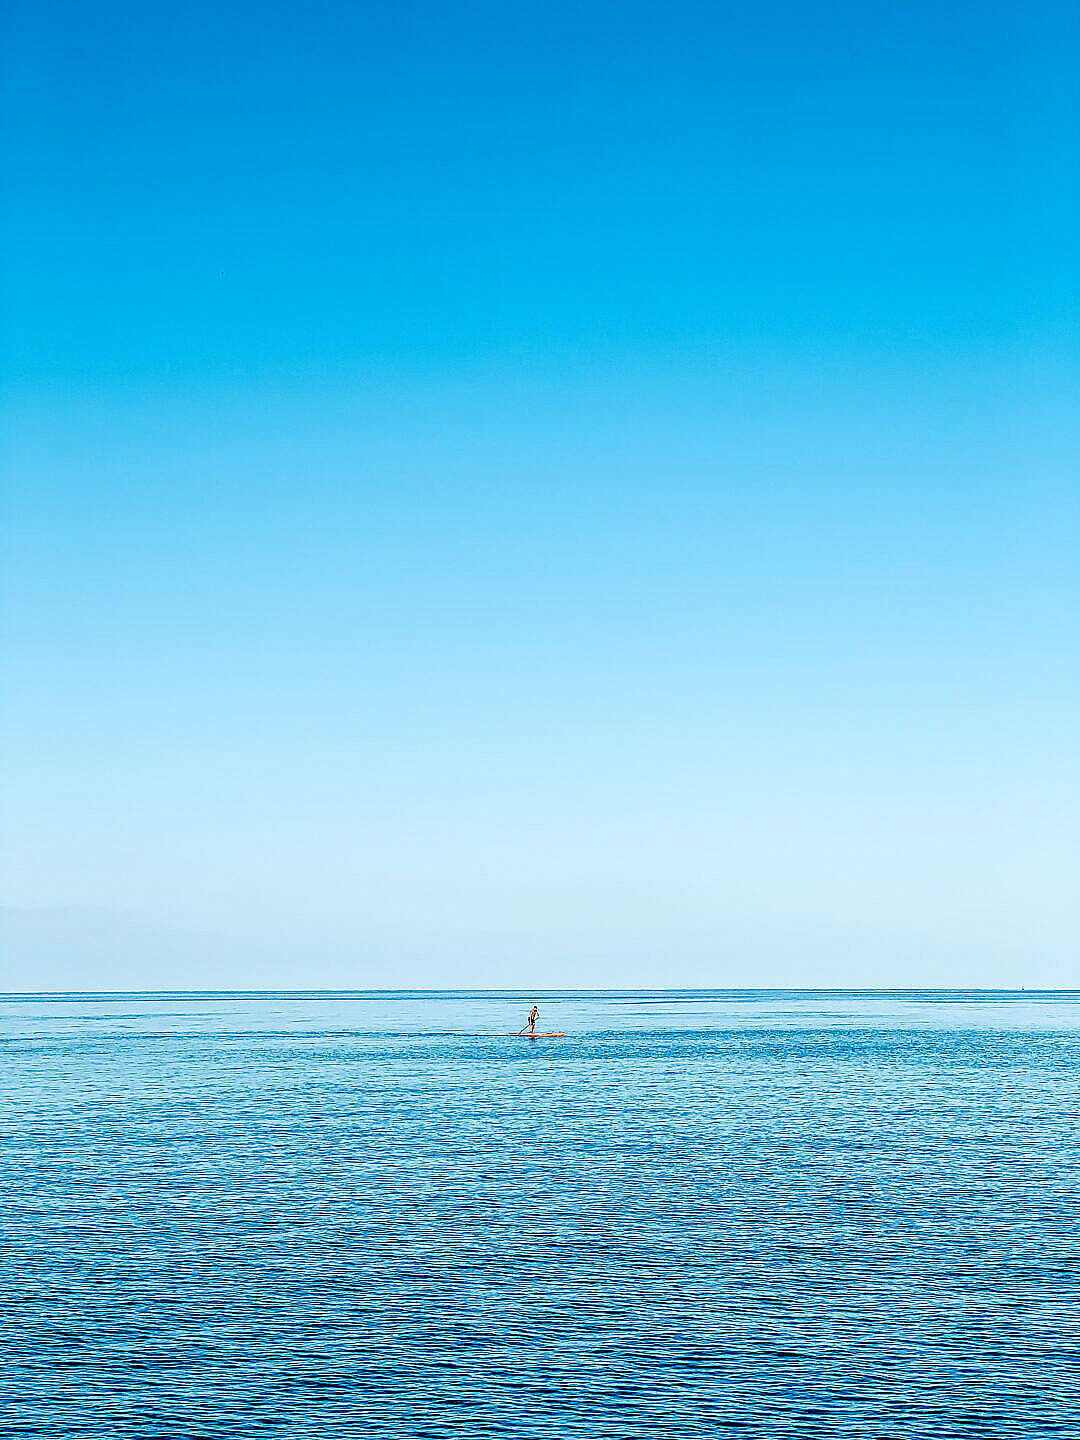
(540, 495)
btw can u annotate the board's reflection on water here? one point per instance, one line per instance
(777, 1214)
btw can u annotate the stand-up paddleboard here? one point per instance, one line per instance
(538, 1035)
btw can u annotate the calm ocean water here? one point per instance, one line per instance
(774, 1214)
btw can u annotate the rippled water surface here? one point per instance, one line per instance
(770, 1214)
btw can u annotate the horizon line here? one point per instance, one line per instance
(519, 991)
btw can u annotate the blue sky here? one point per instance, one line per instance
(540, 495)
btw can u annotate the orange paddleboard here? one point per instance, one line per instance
(539, 1035)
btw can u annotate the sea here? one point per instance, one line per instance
(707, 1213)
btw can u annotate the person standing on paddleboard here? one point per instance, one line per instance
(534, 1015)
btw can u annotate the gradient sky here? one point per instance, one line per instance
(539, 495)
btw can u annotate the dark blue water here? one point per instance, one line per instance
(781, 1214)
